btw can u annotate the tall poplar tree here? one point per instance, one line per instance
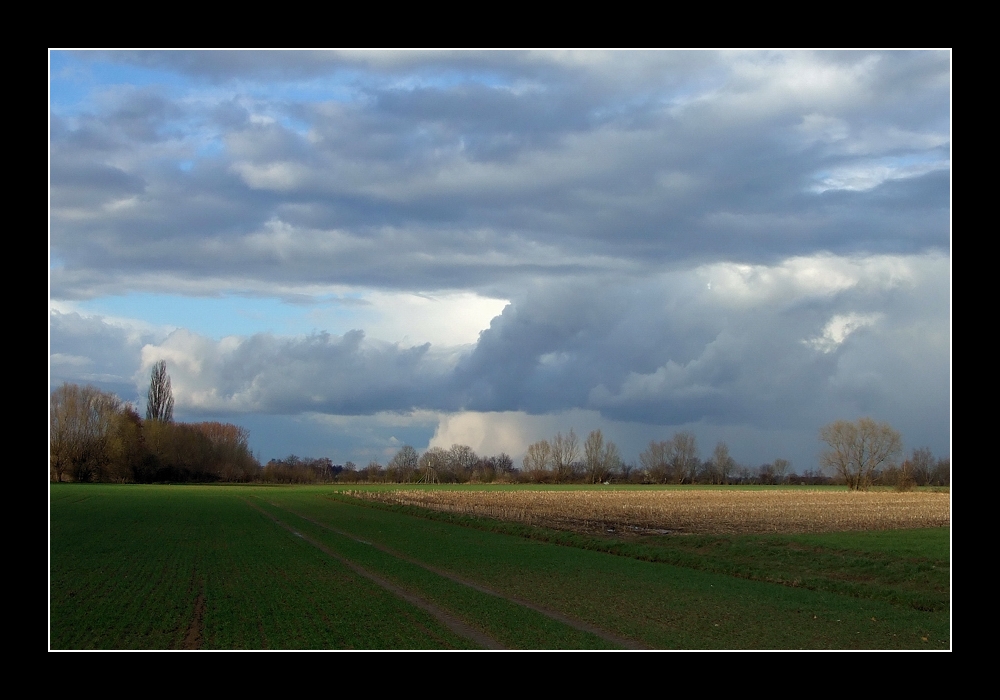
(160, 400)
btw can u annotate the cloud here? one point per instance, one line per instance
(472, 170)
(720, 343)
(93, 350)
(758, 240)
(838, 328)
(318, 373)
(784, 347)
(677, 349)
(486, 433)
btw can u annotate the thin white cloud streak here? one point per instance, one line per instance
(838, 328)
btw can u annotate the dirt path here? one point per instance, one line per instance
(446, 618)
(552, 614)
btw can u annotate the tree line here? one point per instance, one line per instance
(458, 465)
(863, 454)
(560, 460)
(95, 436)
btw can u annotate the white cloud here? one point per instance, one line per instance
(486, 433)
(444, 319)
(493, 432)
(821, 276)
(838, 328)
(867, 175)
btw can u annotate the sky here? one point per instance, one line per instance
(346, 252)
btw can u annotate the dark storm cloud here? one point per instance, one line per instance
(772, 350)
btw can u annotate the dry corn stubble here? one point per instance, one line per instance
(701, 511)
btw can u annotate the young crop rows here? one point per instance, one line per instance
(255, 567)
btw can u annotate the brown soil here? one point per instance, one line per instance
(192, 640)
(682, 511)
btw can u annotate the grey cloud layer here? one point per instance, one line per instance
(780, 347)
(485, 170)
(786, 345)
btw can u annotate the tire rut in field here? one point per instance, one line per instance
(551, 614)
(192, 640)
(447, 619)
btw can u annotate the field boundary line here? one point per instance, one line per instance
(444, 617)
(551, 614)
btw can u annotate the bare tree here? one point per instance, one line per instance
(404, 465)
(232, 458)
(683, 456)
(502, 463)
(565, 451)
(374, 472)
(722, 463)
(941, 475)
(460, 464)
(432, 463)
(765, 474)
(921, 465)
(537, 460)
(82, 424)
(600, 458)
(656, 462)
(780, 470)
(858, 449)
(625, 470)
(160, 400)
(349, 473)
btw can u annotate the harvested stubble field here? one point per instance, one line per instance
(694, 511)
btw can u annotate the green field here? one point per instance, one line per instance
(257, 567)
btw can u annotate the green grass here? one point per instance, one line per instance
(128, 564)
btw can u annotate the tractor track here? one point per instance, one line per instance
(447, 619)
(551, 614)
